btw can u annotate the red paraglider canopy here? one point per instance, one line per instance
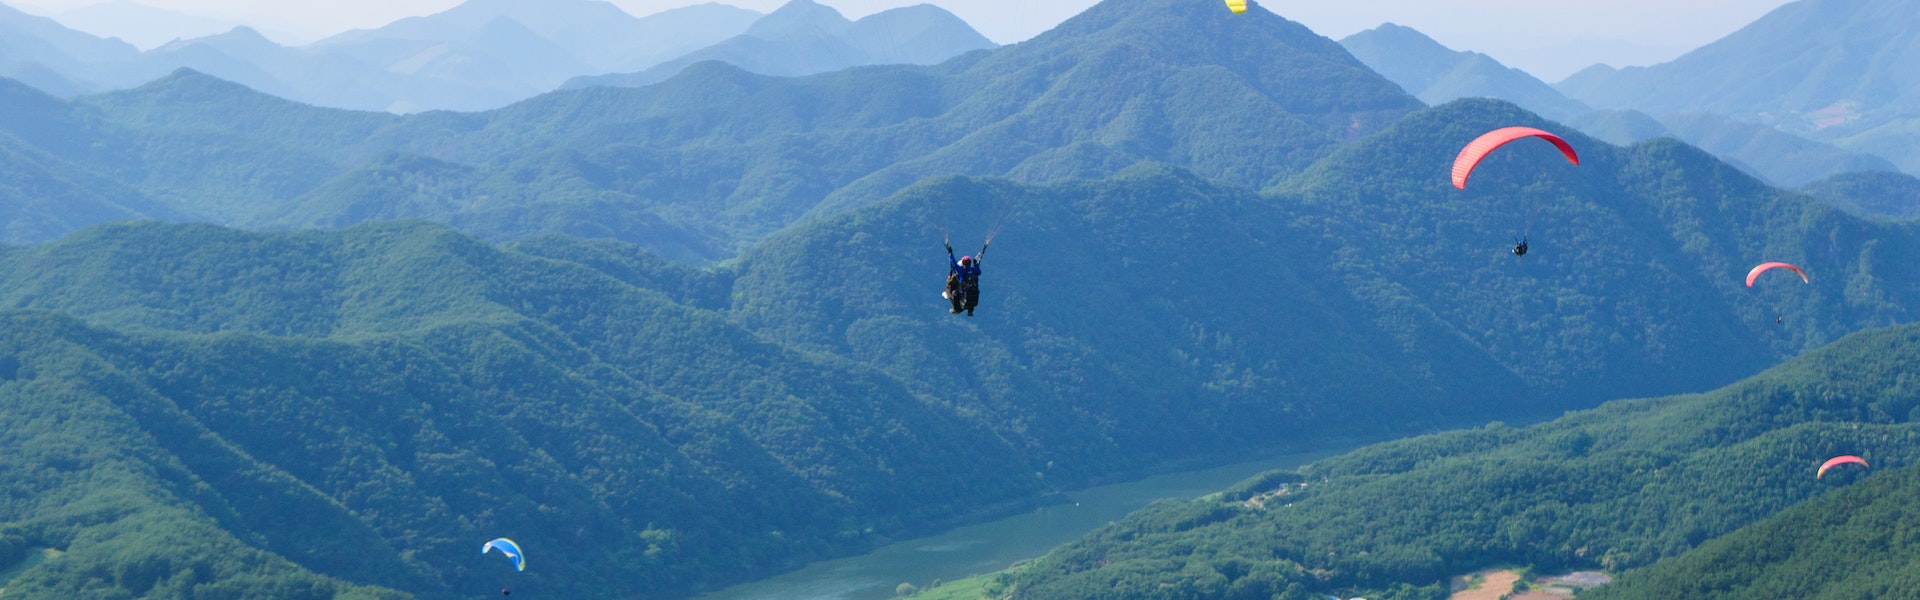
(1764, 267)
(1471, 155)
(1840, 460)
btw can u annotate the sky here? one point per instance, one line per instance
(1549, 38)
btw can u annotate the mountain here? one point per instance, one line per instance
(1834, 70)
(1877, 194)
(1781, 158)
(599, 35)
(400, 390)
(803, 38)
(1627, 485)
(701, 166)
(479, 55)
(1850, 543)
(356, 407)
(41, 52)
(143, 26)
(1438, 74)
(645, 448)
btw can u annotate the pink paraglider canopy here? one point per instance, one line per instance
(1471, 155)
(1840, 460)
(1764, 267)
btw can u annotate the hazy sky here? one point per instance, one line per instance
(1550, 38)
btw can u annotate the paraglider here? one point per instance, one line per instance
(963, 280)
(1478, 150)
(510, 549)
(1764, 267)
(512, 552)
(1840, 460)
(1239, 7)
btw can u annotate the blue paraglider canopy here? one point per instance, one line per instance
(507, 547)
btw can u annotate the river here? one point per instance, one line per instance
(993, 545)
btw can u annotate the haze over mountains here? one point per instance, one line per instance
(480, 55)
(1835, 70)
(704, 164)
(804, 38)
(1438, 74)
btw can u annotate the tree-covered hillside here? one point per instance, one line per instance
(700, 166)
(1857, 542)
(1881, 194)
(1617, 487)
(372, 404)
(658, 429)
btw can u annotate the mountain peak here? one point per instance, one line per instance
(800, 18)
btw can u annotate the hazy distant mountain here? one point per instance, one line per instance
(144, 26)
(703, 164)
(803, 38)
(1781, 158)
(43, 53)
(1836, 70)
(1438, 74)
(479, 55)
(596, 36)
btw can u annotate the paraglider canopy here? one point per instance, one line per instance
(1471, 155)
(507, 547)
(1237, 6)
(1837, 461)
(1764, 267)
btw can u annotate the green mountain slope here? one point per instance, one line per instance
(1617, 487)
(405, 393)
(1852, 543)
(657, 429)
(1871, 194)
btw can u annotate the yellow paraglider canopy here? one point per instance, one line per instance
(1237, 6)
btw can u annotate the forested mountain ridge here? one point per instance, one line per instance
(1856, 542)
(670, 429)
(700, 166)
(1618, 487)
(405, 391)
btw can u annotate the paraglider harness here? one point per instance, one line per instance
(1520, 247)
(964, 291)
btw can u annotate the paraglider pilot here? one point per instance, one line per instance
(1520, 247)
(963, 282)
